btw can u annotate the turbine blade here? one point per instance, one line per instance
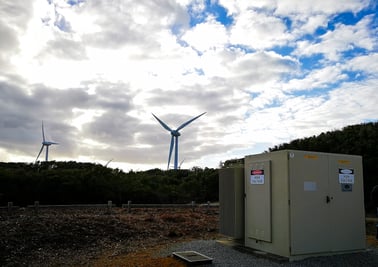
(170, 151)
(43, 133)
(40, 151)
(181, 163)
(162, 123)
(189, 121)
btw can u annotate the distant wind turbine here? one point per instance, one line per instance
(46, 144)
(181, 163)
(174, 139)
(106, 165)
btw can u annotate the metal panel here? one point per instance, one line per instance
(327, 210)
(309, 211)
(308, 204)
(258, 201)
(347, 203)
(193, 257)
(231, 200)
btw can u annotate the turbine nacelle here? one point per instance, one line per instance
(48, 143)
(175, 133)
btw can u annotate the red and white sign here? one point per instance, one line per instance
(257, 177)
(346, 176)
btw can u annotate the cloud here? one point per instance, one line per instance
(344, 38)
(197, 36)
(287, 7)
(259, 30)
(265, 72)
(14, 16)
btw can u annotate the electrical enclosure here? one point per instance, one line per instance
(301, 204)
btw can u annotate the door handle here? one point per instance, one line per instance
(328, 199)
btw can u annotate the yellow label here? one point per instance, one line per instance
(343, 161)
(310, 157)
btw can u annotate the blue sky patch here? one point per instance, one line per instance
(74, 2)
(355, 51)
(283, 50)
(244, 48)
(355, 76)
(312, 62)
(288, 22)
(211, 8)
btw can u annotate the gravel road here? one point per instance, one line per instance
(226, 256)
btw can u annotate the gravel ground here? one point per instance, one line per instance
(227, 256)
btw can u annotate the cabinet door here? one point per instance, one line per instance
(258, 205)
(347, 205)
(309, 203)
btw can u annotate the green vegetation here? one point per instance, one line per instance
(86, 183)
(76, 183)
(361, 139)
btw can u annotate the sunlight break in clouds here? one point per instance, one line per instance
(266, 72)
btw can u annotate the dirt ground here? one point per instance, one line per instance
(76, 237)
(93, 237)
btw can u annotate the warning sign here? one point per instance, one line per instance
(346, 176)
(257, 177)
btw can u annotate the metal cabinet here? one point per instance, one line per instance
(300, 204)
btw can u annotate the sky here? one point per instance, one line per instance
(265, 72)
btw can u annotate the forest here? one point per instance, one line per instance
(87, 183)
(361, 139)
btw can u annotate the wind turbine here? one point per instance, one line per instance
(174, 139)
(46, 144)
(107, 163)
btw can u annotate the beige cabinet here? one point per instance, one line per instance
(300, 204)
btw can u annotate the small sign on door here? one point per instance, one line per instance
(346, 176)
(257, 177)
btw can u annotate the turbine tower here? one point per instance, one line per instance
(46, 144)
(174, 139)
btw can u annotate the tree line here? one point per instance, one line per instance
(360, 139)
(86, 183)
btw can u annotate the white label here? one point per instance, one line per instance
(257, 177)
(346, 176)
(309, 186)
